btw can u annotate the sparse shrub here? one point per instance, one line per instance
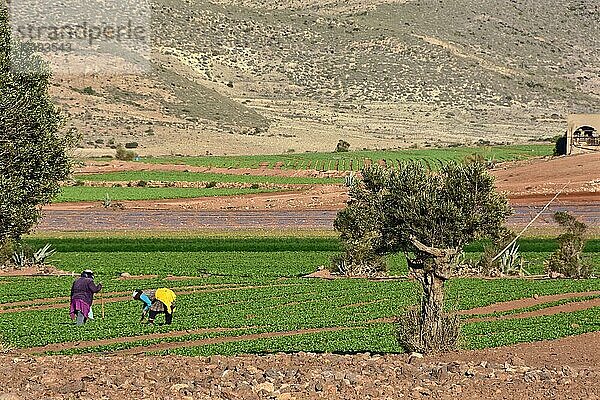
(131, 145)
(342, 146)
(211, 184)
(89, 91)
(359, 258)
(566, 260)
(254, 186)
(7, 249)
(25, 257)
(124, 155)
(40, 256)
(142, 184)
(474, 158)
(413, 338)
(560, 145)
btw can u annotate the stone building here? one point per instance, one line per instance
(583, 133)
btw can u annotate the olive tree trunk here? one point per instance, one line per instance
(433, 330)
(432, 305)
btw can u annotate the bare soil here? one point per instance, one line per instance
(46, 270)
(563, 368)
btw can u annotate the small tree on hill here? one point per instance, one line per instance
(32, 153)
(566, 260)
(429, 216)
(342, 146)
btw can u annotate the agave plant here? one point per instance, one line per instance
(511, 262)
(20, 259)
(39, 257)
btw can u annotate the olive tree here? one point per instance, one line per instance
(429, 216)
(33, 157)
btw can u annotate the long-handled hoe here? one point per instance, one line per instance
(102, 302)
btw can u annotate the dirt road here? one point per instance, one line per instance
(174, 220)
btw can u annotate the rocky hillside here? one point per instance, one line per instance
(239, 76)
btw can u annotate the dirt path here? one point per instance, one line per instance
(561, 308)
(523, 303)
(574, 351)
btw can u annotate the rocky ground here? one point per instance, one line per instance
(561, 369)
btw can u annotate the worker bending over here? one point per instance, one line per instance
(156, 301)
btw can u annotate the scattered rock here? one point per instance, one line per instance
(517, 361)
(414, 357)
(9, 396)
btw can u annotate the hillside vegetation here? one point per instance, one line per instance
(245, 77)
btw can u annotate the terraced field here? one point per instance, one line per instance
(244, 294)
(161, 178)
(355, 160)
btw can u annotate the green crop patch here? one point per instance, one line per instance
(88, 193)
(355, 160)
(256, 285)
(180, 176)
(194, 244)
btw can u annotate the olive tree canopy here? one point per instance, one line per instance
(33, 157)
(427, 215)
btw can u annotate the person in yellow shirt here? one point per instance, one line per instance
(156, 301)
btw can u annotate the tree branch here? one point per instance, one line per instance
(433, 251)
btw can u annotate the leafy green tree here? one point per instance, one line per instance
(560, 145)
(33, 157)
(567, 260)
(429, 216)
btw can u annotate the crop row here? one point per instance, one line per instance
(245, 244)
(190, 244)
(380, 338)
(88, 193)
(182, 176)
(281, 306)
(355, 160)
(203, 267)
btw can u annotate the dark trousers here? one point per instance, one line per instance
(168, 317)
(80, 318)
